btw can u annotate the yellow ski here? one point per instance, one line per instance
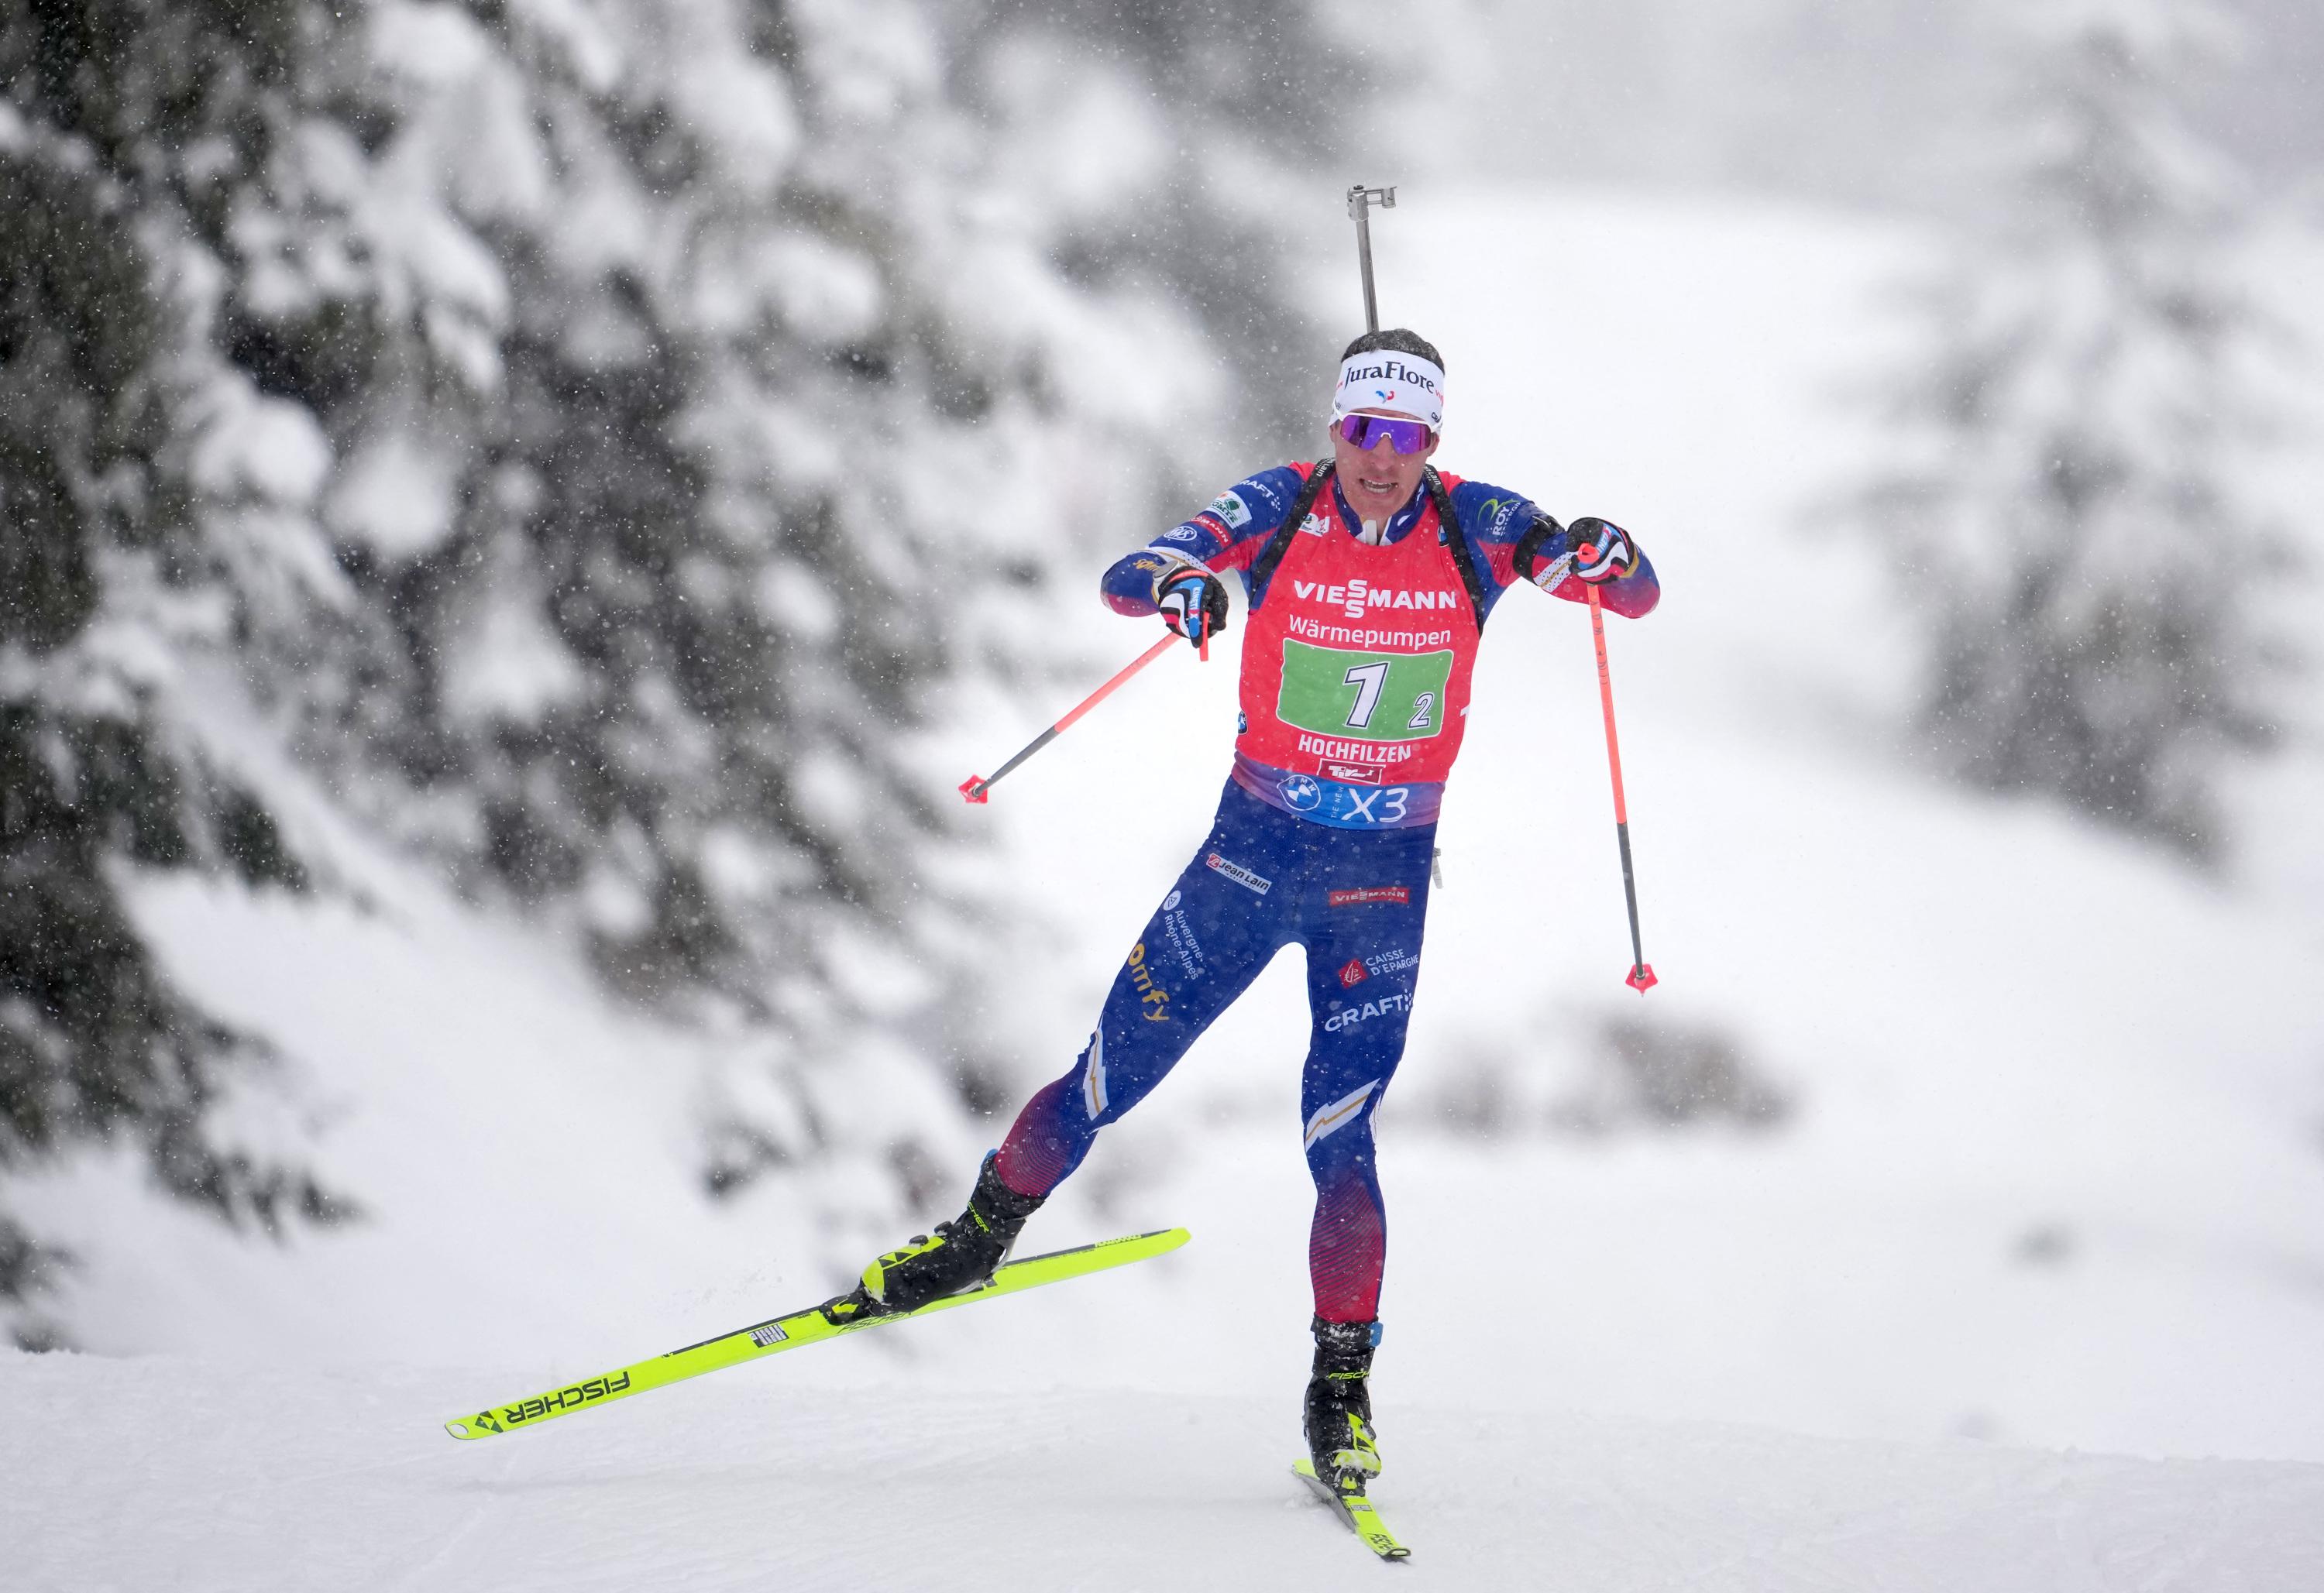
(1357, 1511)
(809, 1326)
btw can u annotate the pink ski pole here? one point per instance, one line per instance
(976, 787)
(1642, 975)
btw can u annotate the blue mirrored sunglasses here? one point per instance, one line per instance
(1406, 437)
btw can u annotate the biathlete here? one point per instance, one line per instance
(1368, 578)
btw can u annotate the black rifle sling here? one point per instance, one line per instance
(1448, 532)
(1262, 569)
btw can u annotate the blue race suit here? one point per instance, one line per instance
(1264, 879)
(1354, 895)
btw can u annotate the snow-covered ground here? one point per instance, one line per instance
(2051, 1174)
(174, 1473)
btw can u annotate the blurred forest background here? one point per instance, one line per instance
(594, 440)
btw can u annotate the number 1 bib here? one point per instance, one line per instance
(1356, 662)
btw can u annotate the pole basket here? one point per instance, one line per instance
(1642, 978)
(972, 790)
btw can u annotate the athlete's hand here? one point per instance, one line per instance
(1194, 605)
(1590, 548)
(1602, 549)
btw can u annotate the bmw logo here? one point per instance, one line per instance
(1302, 793)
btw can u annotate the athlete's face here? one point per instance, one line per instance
(1379, 481)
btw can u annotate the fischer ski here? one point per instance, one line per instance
(808, 1326)
(1357, 1511)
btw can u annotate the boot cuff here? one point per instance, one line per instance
(996, 1201)
(1345, 1336)
(1345, 1347)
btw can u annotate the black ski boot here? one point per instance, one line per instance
(1339, 1424)
(960, 1255)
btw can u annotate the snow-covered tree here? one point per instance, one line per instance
(140, 500)
(2067, 506)
(1177, 146)
(596, 435)
(713, 384)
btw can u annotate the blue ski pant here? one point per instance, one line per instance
(1356, 900)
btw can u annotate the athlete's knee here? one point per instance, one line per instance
(1342, 1108)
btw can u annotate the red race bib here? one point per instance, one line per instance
(1356, 663)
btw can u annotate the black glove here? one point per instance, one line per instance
(1602, 549)
(1194, 605)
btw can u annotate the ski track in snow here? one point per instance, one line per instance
(161, 1473)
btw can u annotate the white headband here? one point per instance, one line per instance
(1399, 383)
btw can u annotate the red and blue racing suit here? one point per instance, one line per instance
(1356, 658)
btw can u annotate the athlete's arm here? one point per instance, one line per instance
(1519, 542)
(1227, 535)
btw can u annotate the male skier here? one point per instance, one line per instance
(1368, 579)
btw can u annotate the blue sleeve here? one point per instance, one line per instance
(1226, 535)
(1494, 519)
(1128, 584)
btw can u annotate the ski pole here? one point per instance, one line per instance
(975, 787)
(1642, 975)
(1360, 201)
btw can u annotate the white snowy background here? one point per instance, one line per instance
(2019, 1285)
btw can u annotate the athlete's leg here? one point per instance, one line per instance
(1230, 911)
(1363, 918)
(1237, 904)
